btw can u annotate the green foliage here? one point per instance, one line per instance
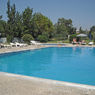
(63, 28)
(19, 25)
(27, 38)
(27, 20)
(41, 25)
(92, 31)
(2, 28)
(11, 24)
(8, 8)
(9, 38)
(61, 32)
(72, 37)
(42, 38)
(94, 37)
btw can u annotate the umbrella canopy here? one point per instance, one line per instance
(82, 35)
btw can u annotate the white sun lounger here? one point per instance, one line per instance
(13, 44)
(20, 44)
(90, 43)
(35, 43)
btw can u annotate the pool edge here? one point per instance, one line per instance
(48, 81)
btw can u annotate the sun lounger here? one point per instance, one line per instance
(90, 43)
(5, 46)
(0, 45)
(13, 44)
(35, 43)
(20, 44)
(83, 43)
(74, 41)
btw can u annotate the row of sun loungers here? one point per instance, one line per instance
(16, 44)
(4, 46)
(83, 43)
(12, 45)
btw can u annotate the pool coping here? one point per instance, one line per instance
(21, 50)
(48, 81)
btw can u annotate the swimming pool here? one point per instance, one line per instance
(68, 64)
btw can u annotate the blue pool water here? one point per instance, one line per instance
(65, 64)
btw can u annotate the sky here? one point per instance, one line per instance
(82, 12)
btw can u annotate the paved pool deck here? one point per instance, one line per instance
(16, 49)
(31, 47)
(12, 84)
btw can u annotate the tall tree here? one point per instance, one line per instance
(92, 29)
(2, 28)
(92, 32)
(11, 12)
(0, 17)
(63, 28)
(19, 25)
(8, 10)
(81, 30)
(41, 25)
(27, 20)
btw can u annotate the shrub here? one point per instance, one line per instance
(42, 38)
(9, 38)
(27, 38)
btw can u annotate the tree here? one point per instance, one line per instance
(61, 32)
(94, 37)
(2, 28)
(27, 20)
(92, 32)
(27, 38)
(63, 28)
(8, 10)
(41, 25)
(92, 29)
(81, 30)
(0, 17)
(19, 25)
(11, 12)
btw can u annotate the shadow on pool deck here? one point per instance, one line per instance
(11, 84)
